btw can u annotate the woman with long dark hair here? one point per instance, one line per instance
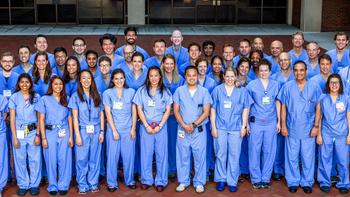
(41, 73)
(121, 130)
(70, 75)
(56, 128)
(153, 102)
(25, 136)
(217, 69)
(88, 124)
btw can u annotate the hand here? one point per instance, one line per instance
(101, 136)
(16, 143)
(36, 140)
(314, 131)
(44, 143)
(348, 139)
(214, 132)
(78, 141)
(278, 126)
(319, 140)
(70, 142)
(243, 132)
(150, 130)
(133, 134)
(157, 129)
(115, 135)
(284, 131)
(188, 128)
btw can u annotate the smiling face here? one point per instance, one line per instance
(130, 37)
(154, 77)
(229, 78)
(60, 58)
(264, 71)
(169, 65)
(300, 71)
(105, 67)
(24, 84)
(118, 80)
(334, 85)
(85, 80)
(41, 44)
(57, 86)
(228, 53)
(284, 61)
(137, 63)
(276, 48)
(7, 63)
(297, 41)
(41, 62)
(217, 65)
(312, 50)
(79, 47)
(176, 38)
(258, 44)
(191, 76)
(208, 50)
(91, 60)
(243, 68)
(108, 46)
(341, 42)
(159, 48)
(244, 48)
(325, 66)
(24, 54)
(202, 68)
(72, 66)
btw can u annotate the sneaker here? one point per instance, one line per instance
(199, 189)
(265, 185)
(63, 192)
(257, 185)
(181, 187)
(95, 190)
(277, 177)
(220, 186)
(53, 193)
(293, 189)
(343, 190)
(21, 192)
(112, 189)
(232, 188)
(34, 191)
(325, 189)
(307, 190)
(82, 193)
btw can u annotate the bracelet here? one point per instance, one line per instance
(37, 135)
(102, 131)
(194, 125)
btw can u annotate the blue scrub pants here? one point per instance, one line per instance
(227, 149)
(124, 147)
(58, 156)
(278, 167)
(305, 148)
(172, 136)
(27, 177)
(333, 146)
(137, 163)
(244, 158)
(88, 158)
(210, 150)
(4, 160)
(262, 151)
(154, 144)
(195, 143)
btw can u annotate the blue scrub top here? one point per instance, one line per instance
(71, 87)
(334, 122)
(251, 75)
(236, 60)
(182, 68)
(319, 80)
(302, 57)
(312, 71)
(217, 81)
(263, 112)
(3, 109)
(101, 84)
(115, 62)
(121, 113)
(40, 86)
(152, 61)
(88, 113)
(229, 109)
(171, 85)
(275, 67)
(25, 111)
(9, 84)
(301, 107)
(345, 76)
(153, 106)
(124, 67)
(180, 56)
(136, 83)
(119, 51)
(19, 69)
(50, 56)
(209, 84)
(281, 79)
(345, 61)
(192, 107)
(57, 71)
(55, 113)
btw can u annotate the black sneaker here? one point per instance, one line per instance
(307, 190)
(53, 193)
(277, 177)
(325, 189)
(257, 185)
(34, 191)
(265, 185)
(343, 190)
(293, 189)
(21, 192)
(63, 192)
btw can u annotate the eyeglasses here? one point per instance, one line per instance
(334, 82)
(79, 45)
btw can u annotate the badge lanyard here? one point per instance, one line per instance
(88, 103)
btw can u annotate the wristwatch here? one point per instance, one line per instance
(194, 125)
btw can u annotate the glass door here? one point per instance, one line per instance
(216, 11)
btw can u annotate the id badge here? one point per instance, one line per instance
(62, 133)
(20, 134)
(340, 106)
(117, 105)
(227, 104)
(6, 93)
(266, 100)
(90, 129)
(181, 134)
(151, 103)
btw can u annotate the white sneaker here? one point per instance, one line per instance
(200, 189)
(181, 187)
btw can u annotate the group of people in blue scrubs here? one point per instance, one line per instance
(193, 115)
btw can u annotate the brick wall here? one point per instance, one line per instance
(336, 15)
